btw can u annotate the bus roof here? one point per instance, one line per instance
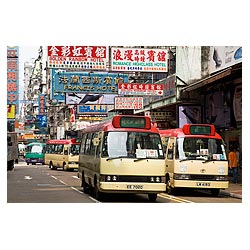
(185, 132)
(111, 125)
(36, 143)
(63, 141)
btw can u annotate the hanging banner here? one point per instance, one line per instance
(84, 57)
(139, 59)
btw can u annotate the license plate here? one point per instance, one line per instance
(134, 186)
(203, 184)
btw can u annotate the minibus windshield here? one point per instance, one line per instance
(193, 148)
(132, 145)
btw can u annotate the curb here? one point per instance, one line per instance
(238, 196)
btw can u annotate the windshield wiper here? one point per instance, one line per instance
(208, 160)
(117, 157)
(140, 159)
(186, 159)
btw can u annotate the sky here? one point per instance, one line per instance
(26, 54)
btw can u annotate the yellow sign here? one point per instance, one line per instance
(11, 111)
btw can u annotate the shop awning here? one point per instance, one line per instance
(207, 80)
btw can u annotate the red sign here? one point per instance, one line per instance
(86, 57)
(128, 102)
(140, 89)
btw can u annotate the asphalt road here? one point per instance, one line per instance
(39, 184)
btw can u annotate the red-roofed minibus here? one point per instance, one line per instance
(195, 158)
(123, 155)
(62, 154)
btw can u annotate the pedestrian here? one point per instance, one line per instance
(233, 164)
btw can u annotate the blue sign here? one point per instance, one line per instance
(92, 109)
(55, 97)
(85, 82)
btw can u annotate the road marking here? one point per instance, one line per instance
(94, 199)
(177, 199)
(77, 190)
(53, 177)
(63, 182)
(27, 178)
(76, 177)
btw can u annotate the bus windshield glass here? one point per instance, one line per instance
(74, 149)
(34, 149)
(132, 145)
(190, 148)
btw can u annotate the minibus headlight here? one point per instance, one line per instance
(158, 179)
(221, 178)
(155, 179)
(181, 176)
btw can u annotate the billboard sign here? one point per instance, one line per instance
(13, 76)
(139, 59)
(86, 82)
(140, 89)
(79, 98)
(128, 102)
(224, 56)
(92, 110)
(83, 57)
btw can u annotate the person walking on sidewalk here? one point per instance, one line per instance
(233, 164)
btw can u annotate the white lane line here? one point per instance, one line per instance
(63, 182)
(53, 177)
(77, 190)
(73, 176)
(27, 177)
(94, 199)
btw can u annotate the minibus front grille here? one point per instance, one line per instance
(127, 178)
(202, 177)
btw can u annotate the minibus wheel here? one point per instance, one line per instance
(51, 165)
(169, 188)
(85, 186)
(64, 167)
(152, 197)
(98, 194)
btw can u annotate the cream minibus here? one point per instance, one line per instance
(195, 158)
(62, 154)
(123, 155)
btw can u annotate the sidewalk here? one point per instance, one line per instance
(234, 190)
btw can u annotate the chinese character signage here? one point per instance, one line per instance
(92, 110)
(83, 57)
(88, 82)
(140, 89)
(139, 59)
(12, 76)
(128, 102)
(42, 104)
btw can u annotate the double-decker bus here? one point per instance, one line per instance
(34, 153)
(195, 158)
(123, 155)
(62, 154)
